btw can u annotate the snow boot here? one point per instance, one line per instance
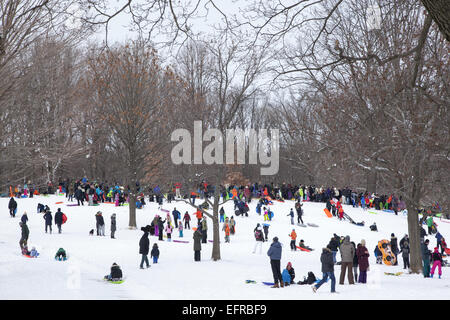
(439, 276)
(282, 284)
(275, 285)
(432, 275)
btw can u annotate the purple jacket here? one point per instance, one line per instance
(363, 257)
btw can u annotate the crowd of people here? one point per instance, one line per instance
(354, 257)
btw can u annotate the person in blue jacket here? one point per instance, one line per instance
(438, 237)
(274, 253)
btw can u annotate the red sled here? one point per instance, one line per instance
(64, 218)
(328, 213)
(447, 251)
(303, 249)
(58, 202)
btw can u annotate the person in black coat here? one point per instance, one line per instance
(326, 258)
(48, 220)
(394, 247)
(161, 228)
(79, 195)
(334, 245)
(176, 214)
(116, 273)
(144, 247)
(59, 219)
(12, 206)
(100, 224)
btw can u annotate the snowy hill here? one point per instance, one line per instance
(177, 276)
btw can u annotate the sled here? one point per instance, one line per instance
(447, 251)
(372, 212)
(72, 205)
(59, 202)
(393, 274)
(303, 249)
(181, 241)
(165, 210)
(385, 248)
(328, 213)
(115, 282)
(268, 283)
(194, 229)
(27, 256)
(390, 211)
(64, 218)
(312, 225)
(250, 281)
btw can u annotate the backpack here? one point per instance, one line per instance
(258, 234)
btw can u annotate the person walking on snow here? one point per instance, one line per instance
(326, 258)
(144, 246)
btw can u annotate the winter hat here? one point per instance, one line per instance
(392, 235)
(347, 238)
(289, 265)
(275, 239)
(363, 242)
(436, 249)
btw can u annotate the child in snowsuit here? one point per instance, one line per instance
(378, 255)
(266, 214)
(226, 228)
(155, 253)
(169, 231)
(61, 255)
(180, 228)
(293, 236)
(34, 253)
(436, 258)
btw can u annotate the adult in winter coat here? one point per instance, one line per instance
(100, 224)
(404, 240)
(186, 219)
(48, 220)
(259, 237)
(204, 230)
(405, 254)
(25, 233)
(59, 219)
(426, 255)
(176, 215)
(298, 207)
(274, 253)
(113, 225)
(266, 231)
(394, 247)
(144, 247)
(347, 252)
(160, 228)
(334, 245)
(197, 244)
(363, 261)
(326, 258)
(12, 206)
(438, 237)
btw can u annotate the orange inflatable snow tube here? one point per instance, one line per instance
(385, 248)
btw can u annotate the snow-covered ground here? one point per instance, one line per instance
(177, 276)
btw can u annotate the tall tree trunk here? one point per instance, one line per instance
(372, 177)
(216, 227)
(132, 199)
